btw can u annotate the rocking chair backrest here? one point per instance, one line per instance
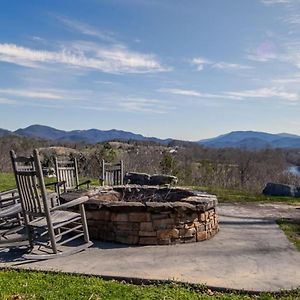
(67, 171)
(30, 183)
(112, 174)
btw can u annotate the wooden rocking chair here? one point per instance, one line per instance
(12, 231)
(51, 227)
(112, 174)
(67, 173)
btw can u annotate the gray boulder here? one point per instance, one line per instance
(277, 189)
(161, 179)
(137, 178)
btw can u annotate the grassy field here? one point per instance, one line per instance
(39, 285)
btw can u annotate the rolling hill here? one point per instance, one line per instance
(252, 140)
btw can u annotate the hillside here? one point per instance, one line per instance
(252, 140)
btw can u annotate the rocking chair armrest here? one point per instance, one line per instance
(72, 203)
(82, 183)
(10, 210)
(56, 183)
(9, 198)
(13, 191)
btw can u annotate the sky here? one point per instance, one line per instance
(167, 68)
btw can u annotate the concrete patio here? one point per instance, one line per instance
(250, 252)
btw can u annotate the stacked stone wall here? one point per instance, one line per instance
(149, 215)
(152, 228)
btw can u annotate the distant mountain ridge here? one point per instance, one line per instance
(90, 136)
(252, 140)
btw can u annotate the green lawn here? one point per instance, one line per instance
(39, 285)
(7, 181)
(292, 230)
(227, 195)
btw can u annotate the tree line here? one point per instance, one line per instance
(191, 163)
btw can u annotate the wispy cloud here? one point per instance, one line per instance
(115, 59)
(264, 52)
(129, 104)
(295, 78)
(193, 93)
(200, 62)
(292, 19)
(230, 66)
(41, 94)
(271, 2)
(86, 29)
(143, 105)
(262, 93)
(6, 101)
(265, 93)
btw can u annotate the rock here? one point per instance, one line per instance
(139, 217)
(158, 206)
(297, 192)
(110, 196)
(161, 179)
(124, 207)
(146, 226)
(137, 178)
(277, 189)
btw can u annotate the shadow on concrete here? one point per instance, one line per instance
(12, 255)
(270, 219)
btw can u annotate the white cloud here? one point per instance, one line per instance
(230, 66)
(265, 93)
(143, 105)
(264, 52)
(271, 2)
(86, 29)
(237, 95)
(44, 94)
(6, 101)
(200, 62)
(114, 59)
(192, 93)
(293, 19)
(287, 80)
(181, 92)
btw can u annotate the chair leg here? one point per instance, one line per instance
(52, 238)
(84, 224)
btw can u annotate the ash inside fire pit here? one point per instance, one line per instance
(148, 215)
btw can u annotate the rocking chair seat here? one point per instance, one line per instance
(58, 218)
(10, 210)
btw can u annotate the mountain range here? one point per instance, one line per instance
(252, 140)
(90, 136)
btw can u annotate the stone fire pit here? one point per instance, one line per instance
(147, 215)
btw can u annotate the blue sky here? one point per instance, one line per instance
(181, 69)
